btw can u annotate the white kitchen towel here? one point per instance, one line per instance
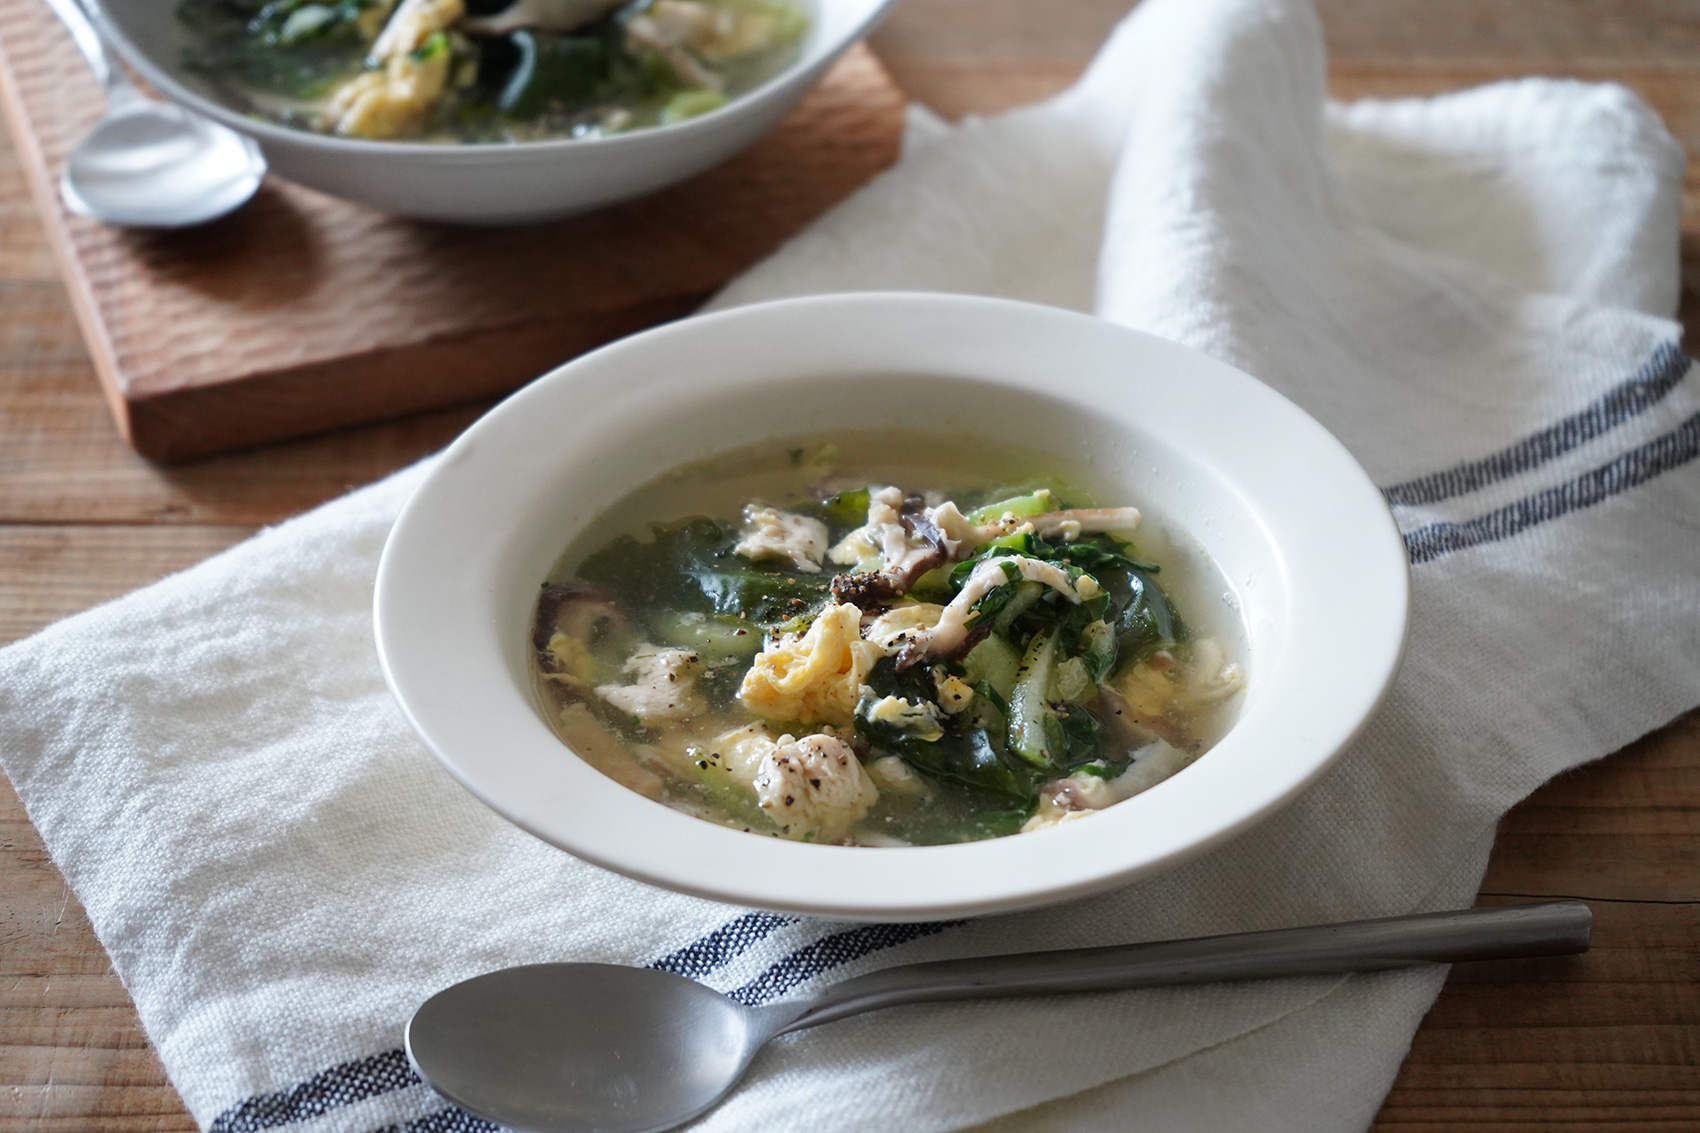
(1474, 292)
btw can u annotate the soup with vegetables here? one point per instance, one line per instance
(833, 643)
(483, 71)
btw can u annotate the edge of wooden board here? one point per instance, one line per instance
(44, 191)
(293, 402)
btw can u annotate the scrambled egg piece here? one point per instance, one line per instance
(573, 658)
(1147, 687)
(920, 718)
(814, 786)
(663, 688)
(411, 76)
(954, 694)
(814, 677)
(1155, 687)
(393, 101)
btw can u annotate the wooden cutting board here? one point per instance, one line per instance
(301, 312)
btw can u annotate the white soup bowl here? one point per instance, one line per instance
(1310, 550)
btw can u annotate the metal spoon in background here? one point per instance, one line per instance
(600, 1048)
(150, 164)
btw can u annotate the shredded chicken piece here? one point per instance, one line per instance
(769, 533)
(815, 677)
(1083, 793)
(901, 624)
(1075, 522)
(881, 538)
(414, 22)
(952, 630)
(814, 785)
(895, 777)
(900, 537)
(668, 28)
(663, 688)
(902, 549)
(965, 535)
(1063, 800)
(1150, 766)
(605, 751)
(371, 20)
(713, 32)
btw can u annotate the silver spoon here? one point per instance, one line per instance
(600, 1048)
(149, 164)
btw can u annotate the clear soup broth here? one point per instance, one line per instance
(488, 70)
(886, 640)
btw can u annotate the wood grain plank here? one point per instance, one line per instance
(1526, 34)
(73, 1055)
(61, 460)
(24, 254)
(51, 571)
(1623, 829)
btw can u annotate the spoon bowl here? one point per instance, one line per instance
(601, 1048)
(148, 164)
(606, 1047)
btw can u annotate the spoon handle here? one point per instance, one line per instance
(87, 39)
(1553, 928)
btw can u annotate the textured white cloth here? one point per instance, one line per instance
(1474, 292)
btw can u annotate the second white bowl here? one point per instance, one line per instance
(492, 184)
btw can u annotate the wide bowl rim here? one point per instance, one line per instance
(167, 83)
(594, 818)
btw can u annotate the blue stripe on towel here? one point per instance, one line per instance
(829, 952)
(444, 1121)
(343, 1084)
(1633, 468)
(1660, 374)
(725, 943)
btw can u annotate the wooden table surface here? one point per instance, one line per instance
(1607, 1041)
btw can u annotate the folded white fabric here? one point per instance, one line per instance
(1474, 292)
